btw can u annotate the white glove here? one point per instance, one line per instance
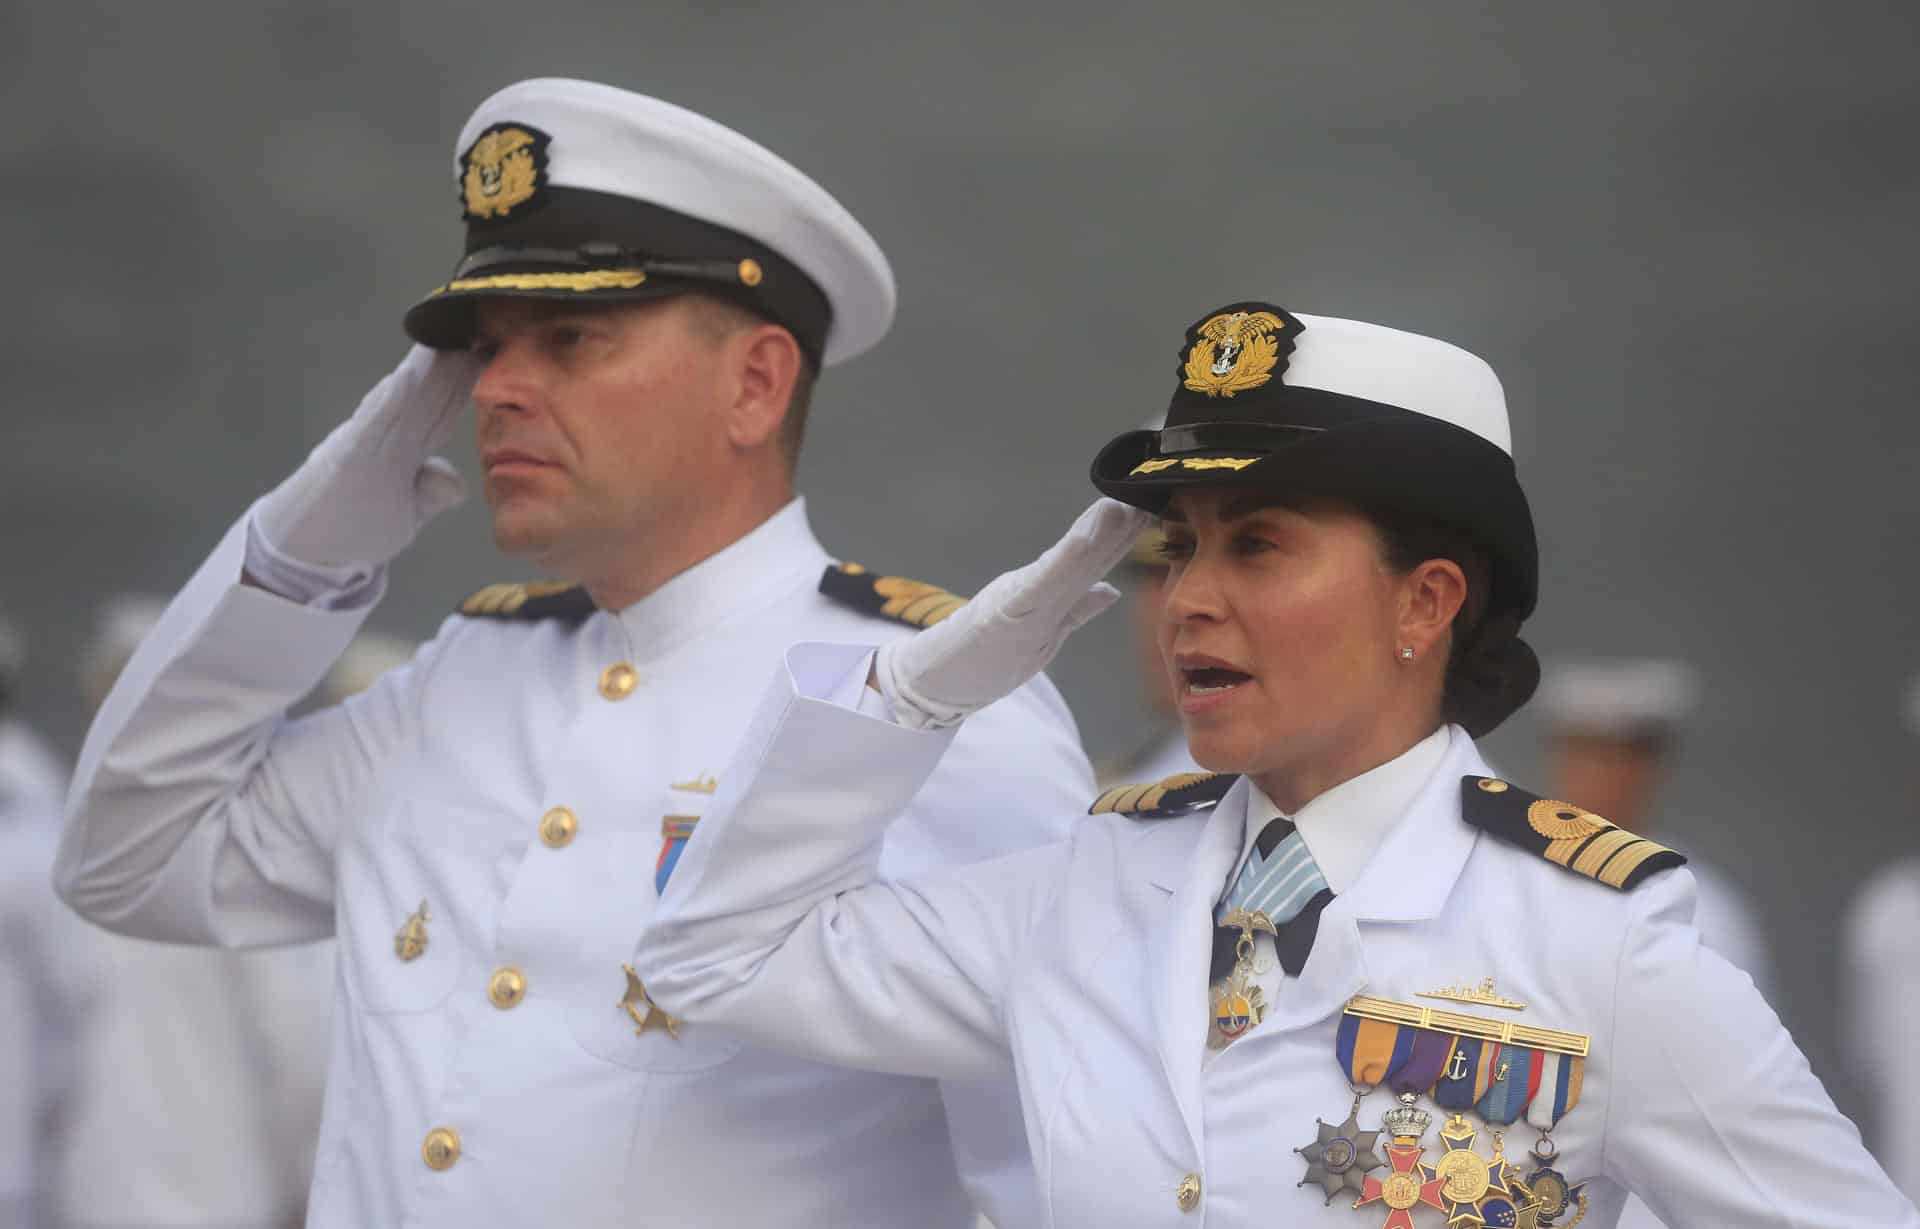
(362, 495)
(1012, 628)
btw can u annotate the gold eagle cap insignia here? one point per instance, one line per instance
(1235, 351)
(502, 170)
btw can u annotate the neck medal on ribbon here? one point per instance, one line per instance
(1494, 1069)
(1238, 1004)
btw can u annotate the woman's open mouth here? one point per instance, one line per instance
(1211, 680)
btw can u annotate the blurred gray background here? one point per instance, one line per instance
(1684, 235)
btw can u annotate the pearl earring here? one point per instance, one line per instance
(1406, 654)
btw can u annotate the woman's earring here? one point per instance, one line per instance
(1406, 653)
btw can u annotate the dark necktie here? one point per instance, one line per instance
(1283, 881)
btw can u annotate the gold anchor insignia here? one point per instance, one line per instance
(1483, 994)
(705, 783)
(641, 1010)
(410, 941)
(1234, 351)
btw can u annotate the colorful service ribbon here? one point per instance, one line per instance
(1515, 1081)
(1372, 1051)
(1431, 1051)
(1467, 1074)
(675, 829)
(1561, 1078)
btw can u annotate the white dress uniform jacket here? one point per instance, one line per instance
(1088, 962)
(202, 814)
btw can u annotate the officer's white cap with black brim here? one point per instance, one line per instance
(1302, 405)
(1268, 398)
(1632, 698)
(573, 190)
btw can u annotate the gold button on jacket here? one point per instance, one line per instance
(618, 681)
(441, 1149)
(1188, 1194)
(557, 828)
(506, 987)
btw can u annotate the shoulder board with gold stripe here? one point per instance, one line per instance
(1562, 833)
(1181, 794)
(913, 602)
(542, 599)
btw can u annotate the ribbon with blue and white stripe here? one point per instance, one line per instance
(1278, 885)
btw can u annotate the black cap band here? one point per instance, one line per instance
(576, 231)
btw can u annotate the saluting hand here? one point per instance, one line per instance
(1012, 628)
(368, 488)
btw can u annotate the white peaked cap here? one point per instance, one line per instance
(1417, 373)
(1618, 698)
(614, 141)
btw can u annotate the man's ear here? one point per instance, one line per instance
(1432, 594)
(767, 360)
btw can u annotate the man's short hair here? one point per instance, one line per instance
(722, 318)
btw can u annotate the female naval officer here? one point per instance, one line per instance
(1352, 978)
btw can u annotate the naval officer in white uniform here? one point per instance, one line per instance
(1369, 980)
(643, 304)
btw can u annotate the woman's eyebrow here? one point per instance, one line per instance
(1252, 502)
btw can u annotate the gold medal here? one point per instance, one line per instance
(410, 942)
(1238, 1003)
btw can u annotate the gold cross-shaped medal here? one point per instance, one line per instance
(641, 1009)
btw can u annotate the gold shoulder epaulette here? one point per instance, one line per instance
(913, 602)
(1181, 794)
(1562, 833)
(541, 599)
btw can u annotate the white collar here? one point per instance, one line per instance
(1343, 826)
(775, 555)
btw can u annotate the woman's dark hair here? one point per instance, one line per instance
(1491, 672)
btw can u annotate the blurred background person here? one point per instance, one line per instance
(1614, 729)
(1880, 1008)
(197, 1099)
(42, 980)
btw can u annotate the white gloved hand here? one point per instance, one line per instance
(362, 495)
(1012, 628)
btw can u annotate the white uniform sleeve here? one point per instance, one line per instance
(1015, 778)
(199, 813)
(776, 925)
(1714, 1117)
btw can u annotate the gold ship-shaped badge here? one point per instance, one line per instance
(411, 939)
(702, 784)
(1482, 995)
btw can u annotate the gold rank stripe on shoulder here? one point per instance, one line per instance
(542, 599)
(1506, 1032)
(913, 602)
(1180, 794)
(1563, 834)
